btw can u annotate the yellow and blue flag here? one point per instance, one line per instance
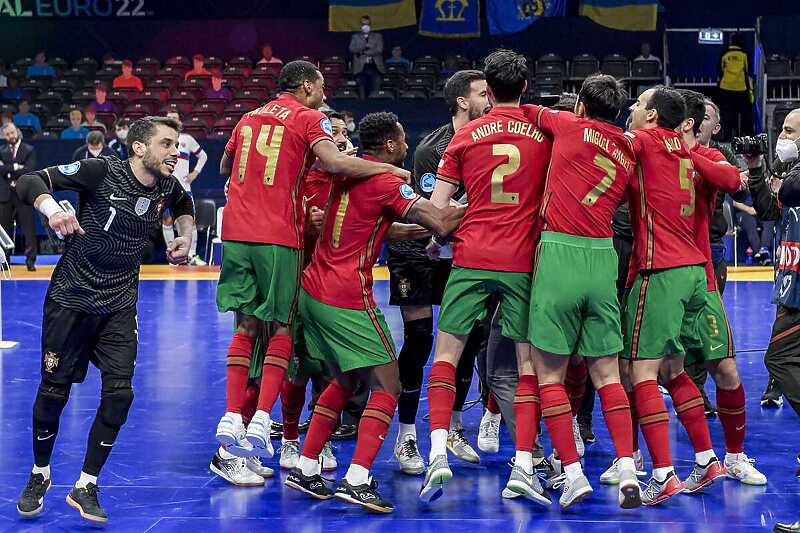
(345, 15)
(628, 15)
(450, 19)
(511, 16)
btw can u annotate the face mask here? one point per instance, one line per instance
(365, 28)
(122, 134)
(786, 150)
(351, 127)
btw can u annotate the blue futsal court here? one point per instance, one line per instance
(157, 478)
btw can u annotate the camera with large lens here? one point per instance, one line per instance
(750, 146)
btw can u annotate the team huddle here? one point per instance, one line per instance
(534, 236)
(523, 196)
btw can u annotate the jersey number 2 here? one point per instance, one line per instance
(266, 145)
(499, 196)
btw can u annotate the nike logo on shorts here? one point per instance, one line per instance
(717, 347)
(51, 435)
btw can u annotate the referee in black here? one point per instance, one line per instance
(416, 283)
(90, 307)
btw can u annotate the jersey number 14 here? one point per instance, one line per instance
(268, 144)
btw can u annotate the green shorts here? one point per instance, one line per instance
(574, 307)
(468, 291)
(301, 365)
(259, 280)
(662, 312)
(346, 338)
(715, 333)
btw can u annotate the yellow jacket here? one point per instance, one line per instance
(734, 70)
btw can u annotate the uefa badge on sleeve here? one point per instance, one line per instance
(142, 205)
(407, 192)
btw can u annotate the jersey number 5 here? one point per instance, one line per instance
(687, 183)
(499, 196)
(266, 145)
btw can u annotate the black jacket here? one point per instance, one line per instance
(26, 157)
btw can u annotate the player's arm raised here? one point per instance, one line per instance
(339, 164)
(36, 188)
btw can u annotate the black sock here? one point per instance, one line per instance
(50, 401)
(417, 344)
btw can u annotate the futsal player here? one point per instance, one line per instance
(90, 307)
(501, 161)
(268, 156)
(417, 284)
(343, 324)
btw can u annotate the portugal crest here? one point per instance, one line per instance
(404, 286)
(50, 361)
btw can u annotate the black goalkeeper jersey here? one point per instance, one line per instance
(99, 271)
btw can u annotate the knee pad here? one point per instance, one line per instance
(50, 400)
(115, 401)
(417, 345)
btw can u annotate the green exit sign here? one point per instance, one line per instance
(710, 36)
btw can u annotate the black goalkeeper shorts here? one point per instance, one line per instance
(416, 280)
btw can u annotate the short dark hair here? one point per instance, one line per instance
(458, 86)
(95, 137)
(603, 97)
(199, 57)
(143, 129)
(127, 63)
(695, 107)
(377, 128)
(294, 73)
(334, 114)
(506, 74)
(670, 107)
(122, 123)
(566, 102)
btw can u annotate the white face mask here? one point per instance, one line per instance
(365, 28)
(351, 127)
(122, 134)
(786, 150)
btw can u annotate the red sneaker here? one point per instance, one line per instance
(703, 476)
(659, 491)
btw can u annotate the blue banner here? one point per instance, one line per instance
(450, 19)
(511, 16)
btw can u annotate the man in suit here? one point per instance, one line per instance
(367, 50)
(16, 159)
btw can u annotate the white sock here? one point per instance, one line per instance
(406, 429)
(455, 420)
(43, 470)
(488, 415)
(524, 460)
(729, 457)
(703, 458)
(237, 417)
(661, 473)
(357, 475)
(308, 467)
(168, 232)
(438, 443)
(84, 480)
(225, 454)
(573, 471)
(193, 247)
(626, 463)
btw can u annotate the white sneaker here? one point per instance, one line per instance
(196, 261)
(458, 445)
(576, 433)
(489, 433)
(407, 454)
(229, 433)
(258, 431)
(290, 454)
(572, 491)
(328, 459)
(611, 475)
(741, 468)
(235, 471)
(255, 466)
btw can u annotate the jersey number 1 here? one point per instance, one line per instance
(266, 145)
(341, 211)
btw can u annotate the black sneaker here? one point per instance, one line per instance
(86, 502)
(772, 396)
(314, 485)
(31, 501)
(345, 432)
(303, 427)
(587, 434)
(365, 495)
(276, 430)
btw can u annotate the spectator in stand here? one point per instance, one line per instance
(121, 127)
(398, 59)
(13, 92)
(350, 124)
(101, 103)
(267, 57)
(95, 147)
(450, 65)
(128, 80)
(17, 159)
(76, 130)
(3, 77)
(6, 118)
(760, 243)
(91, 122)
(25, 118)
(645, 55)
(367, 50)
(198, 67)
(217, 91)
(40, 67)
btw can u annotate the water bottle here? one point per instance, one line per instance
(748, 257)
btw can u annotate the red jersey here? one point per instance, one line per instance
(271, 151)
(359, 215)
(501, 159)
(705, 203)
(316, 191)
(662, 202)
(590, 169)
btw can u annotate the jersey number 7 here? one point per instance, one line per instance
(266, 145)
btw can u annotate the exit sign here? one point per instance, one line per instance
(710, 36)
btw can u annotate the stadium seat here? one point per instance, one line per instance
(86, 64)
(57, 123)
(74, 75)
(213, 63)
(583, 65)
(201, 82)
(228, 121)
(220, 133)
(242, 63)
(205, 219)
(429, 60)
(155, 95)
(270, 68)
(426, 83)
(149, 65)
(178, 61)
(107, 119)
(256, 93)
(168, 83)
(48, 135)
(399, 69)
(260, 82)
(382, 94)
(52, 99)
(173, 70)
(126, 93)
(345, 93)
(83, 97)
(778, 66)
(64, 87)
(242, 105)
(27, 131)
(649, 70)
(616, 65)
(796, 66)
(416, 94)
(108, 72)
(306, 58)
(23, 63)
(183, 101)
(58, 63)
(198, 132)
(213, 107)
(41, 110)
(143, 107)
(425, 69)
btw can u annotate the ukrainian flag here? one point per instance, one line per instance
(345, 15)
(628, 15)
